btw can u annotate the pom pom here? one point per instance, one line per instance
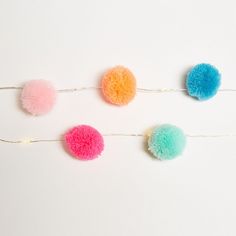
(166, 142)
(203, 81)
(38, 97)
(84, 142)
(119, 85)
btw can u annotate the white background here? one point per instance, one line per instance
(45, 192)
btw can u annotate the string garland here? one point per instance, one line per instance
(141, 90)
(118, 87)
(34, 140)
(165, 142)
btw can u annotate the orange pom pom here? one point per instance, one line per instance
(119, 85)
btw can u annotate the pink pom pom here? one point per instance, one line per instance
(84, 142)
(38, 97)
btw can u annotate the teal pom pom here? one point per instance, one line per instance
(203, 81)
(166, 142)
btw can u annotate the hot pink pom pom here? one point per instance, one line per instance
(38, 97)
(84, 142)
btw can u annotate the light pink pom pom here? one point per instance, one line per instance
(38, 97)
(84, 142)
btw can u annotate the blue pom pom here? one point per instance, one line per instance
(166, 142)
(203, 81)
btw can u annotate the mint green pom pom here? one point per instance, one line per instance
(166, 142)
